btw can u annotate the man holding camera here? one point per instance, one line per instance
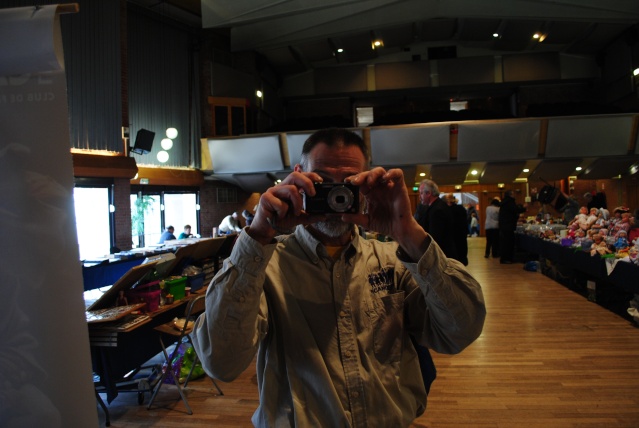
(332, 316)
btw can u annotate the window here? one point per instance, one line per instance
(229, 116)
(155, 210)
(179, 210)
(92, 221)
(226, 195)
(146, 220)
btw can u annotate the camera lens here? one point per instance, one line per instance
(340, 199)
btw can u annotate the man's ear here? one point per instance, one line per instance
(298, 168)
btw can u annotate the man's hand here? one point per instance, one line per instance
(281, 207)
(388, 209)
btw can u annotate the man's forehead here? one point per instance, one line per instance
(337, 156)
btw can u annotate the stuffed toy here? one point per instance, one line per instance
(580, 221)
(623, 225)
(621, 243)
(599, 246)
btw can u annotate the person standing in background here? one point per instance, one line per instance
(509, 212)
(570, 209)
(492, 228)
(459, 228)
(470, 209)
(474, 225)
(433, 215)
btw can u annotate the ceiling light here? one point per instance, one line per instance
(258, 93)
(422, 174)
(172, 133)
(166, 143)
(473, 172)
(496, 35)
(377, 43)
(635, 72)
(536, 36)
(526, 170)
(578, 168)
(340, 50)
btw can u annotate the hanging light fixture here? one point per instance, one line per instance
(172, 133)
(166, 143)
(163, 156)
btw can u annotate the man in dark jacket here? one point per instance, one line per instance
(434, 215)
(460, 228)
(509, 212)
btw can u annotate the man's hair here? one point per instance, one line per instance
(332, 137)
(187, 226)
(429, 185)
(170, 228)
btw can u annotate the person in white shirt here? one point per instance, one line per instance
(491, 226)
(230, 224)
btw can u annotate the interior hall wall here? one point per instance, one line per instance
(531, 67)
(237, 75)
(335, 80)
(212, 213)
(297, 109)
(617, 66)
(455, 71)
(402, 75)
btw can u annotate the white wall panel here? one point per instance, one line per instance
(410, 146)
(498, 141)
(246, 155)
(588, 136)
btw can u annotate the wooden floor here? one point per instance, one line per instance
(547, 358)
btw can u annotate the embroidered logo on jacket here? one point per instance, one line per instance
(382, 280)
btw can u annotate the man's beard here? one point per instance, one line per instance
(333, 228)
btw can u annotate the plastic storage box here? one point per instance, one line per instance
(146, 293)
(175, 285)
(195, 281)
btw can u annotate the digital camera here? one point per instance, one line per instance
(332, 198)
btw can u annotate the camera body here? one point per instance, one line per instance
(331, 198)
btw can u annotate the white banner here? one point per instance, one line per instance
(45, 364)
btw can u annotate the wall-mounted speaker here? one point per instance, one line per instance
(143, 142)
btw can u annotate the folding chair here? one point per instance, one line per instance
(193, 308)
